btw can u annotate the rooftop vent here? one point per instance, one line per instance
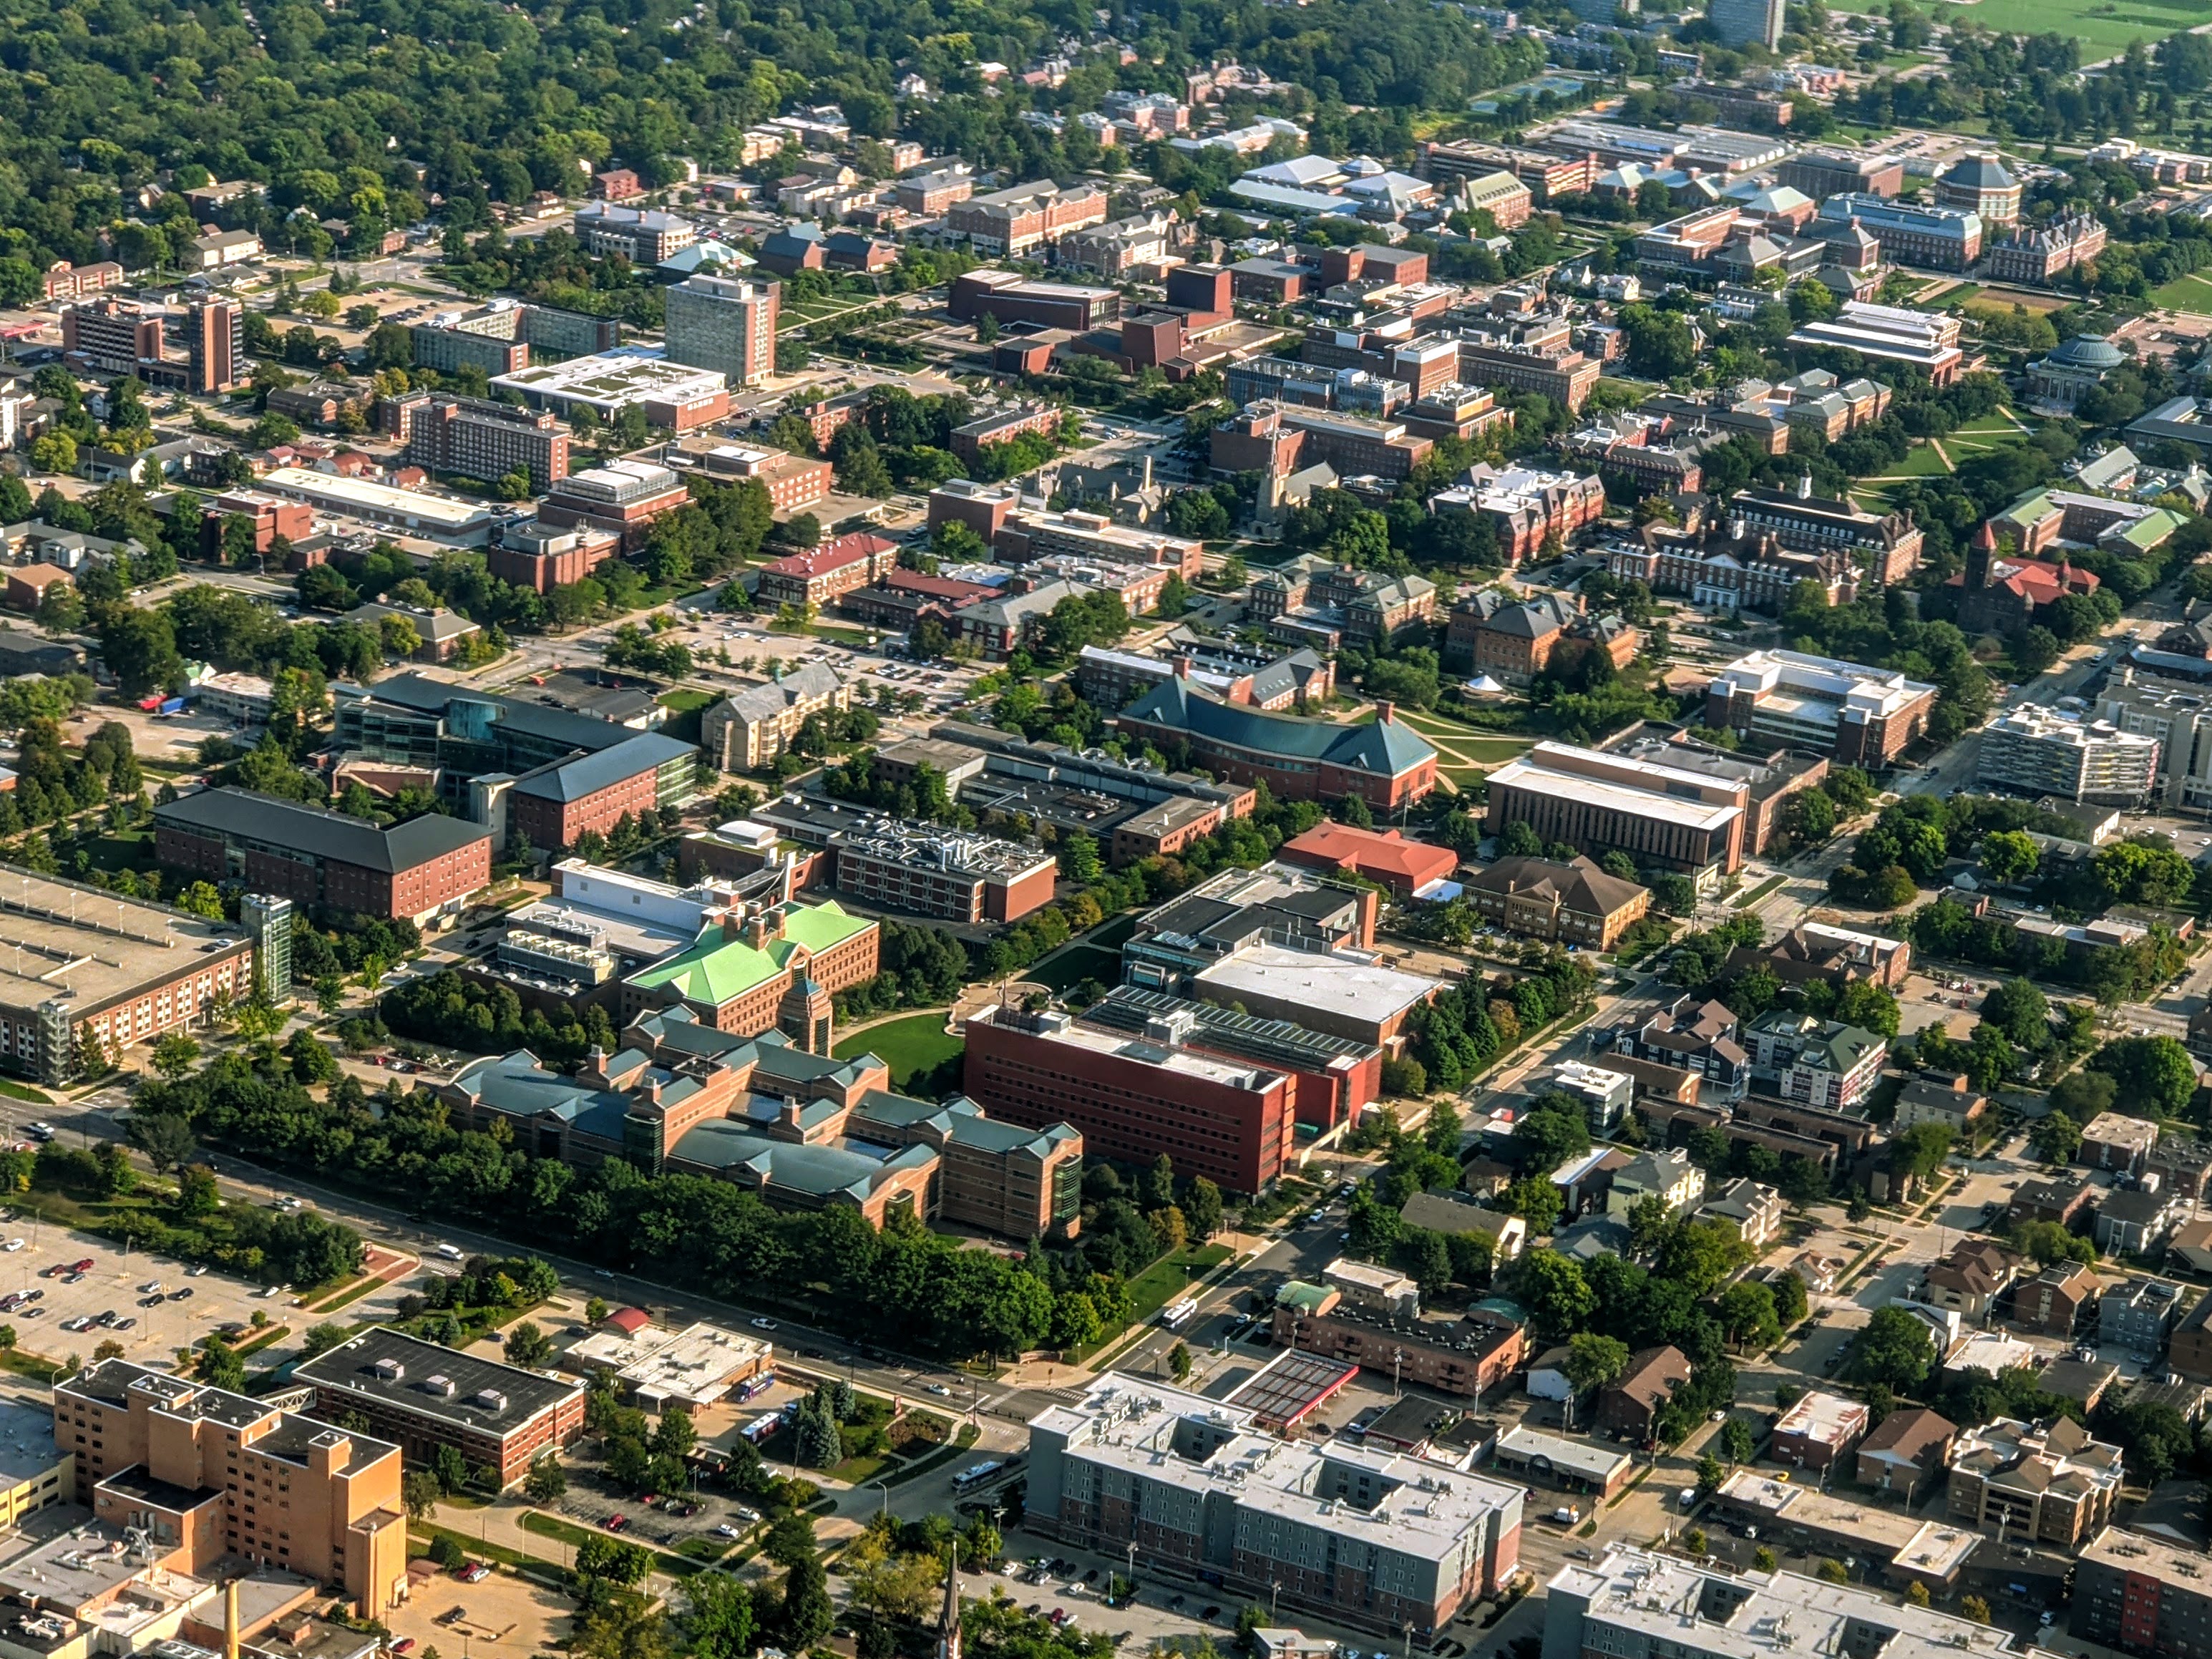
(440, 1385)
(491, 1399)
(391, 1370)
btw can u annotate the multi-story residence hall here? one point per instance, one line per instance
(1363, 1537)
(82, 964)
(424, 1396)
(2048, 1482)
(424, 869)
(2142, 1594)
(1633, 1603)
(1857, 716)
(1886, 545)
(208, 1474)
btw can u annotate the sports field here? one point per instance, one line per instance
(2103, 26)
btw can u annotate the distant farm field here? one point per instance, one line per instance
(2111, 25)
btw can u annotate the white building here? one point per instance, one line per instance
(1605, 1095)
(2042, 751)
(2179, 717)
(658, 1368)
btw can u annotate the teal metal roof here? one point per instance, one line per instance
(1386, 748)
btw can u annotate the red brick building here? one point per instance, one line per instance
(313, 856)
(623, 498)
(823, 574)
(1385, 764)
(616, 185)
(1404, 867)
(270, 517)
(1234, 1124)
(542, 557)
(554, 804)
(983, 507)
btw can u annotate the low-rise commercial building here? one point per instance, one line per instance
(422, 869)
(1819, 1431)
(657, 1367)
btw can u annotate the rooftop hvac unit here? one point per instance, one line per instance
(389, 1370)
(491, 1399)
(441, 1386)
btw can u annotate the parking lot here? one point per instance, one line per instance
(116, 1283)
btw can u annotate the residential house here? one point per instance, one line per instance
(1905, 1451)
(1439, 1212)
(1665, 1174)
(1970, 1281)
(1937, 1097)
(2190, 1247)
(1631, 1407)
(1754, 1211)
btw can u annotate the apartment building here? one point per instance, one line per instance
(95, 967)
(1819, 1431)
(1664, 817)
(747, 730)
(1632, 1600)
(1747, 22)
(1363, 1536)
(424, 869)
(1700, 1038)
(644, 236)
(2178, 717)
(1001, 426)
(484, 440)
(1385, 764)
(1011, 223)
(424, 1396)
(112, 336)
(930, 194)
(1906, 1448)
(724, 324)
(1815, 1062)
(1860, 716)
(2046, 1482)
(822, 575)
(1133, 1099)
(207, 1474)
(620, 498)
(2040, 751)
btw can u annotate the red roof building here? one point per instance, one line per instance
(629, 1320)
(823, 574)
(1384, 856)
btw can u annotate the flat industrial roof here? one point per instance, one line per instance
(1343, 984)
(1587, 1458)
(448, 511)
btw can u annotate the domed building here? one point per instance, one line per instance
(2059, 381)
(1977, 183)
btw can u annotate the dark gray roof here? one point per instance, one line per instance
(351, 1369)
(430, 696)
(586, 774)
(319, 831)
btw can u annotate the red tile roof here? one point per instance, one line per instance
(1380, 855)
(832, 555)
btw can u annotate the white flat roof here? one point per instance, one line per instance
(1363, 990)
(1524, 773)
(1583, 1457)
(1827, 1418)
(450, 513)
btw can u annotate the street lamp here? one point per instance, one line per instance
(885, 1486)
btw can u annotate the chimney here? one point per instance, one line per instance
(757, 930)
(1385, 713)
(733, 926)
(1182, 665)
(230, 1620)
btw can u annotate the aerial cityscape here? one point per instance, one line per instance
(1324, 829)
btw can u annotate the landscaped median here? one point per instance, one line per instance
(567, 1532)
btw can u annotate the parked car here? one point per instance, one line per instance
(616, 1522)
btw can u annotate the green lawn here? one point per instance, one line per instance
(2191, 292)
(1924, 462)
(2109, 24)
(685, 698)
(918, 1044)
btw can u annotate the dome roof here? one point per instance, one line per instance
(2089, 351)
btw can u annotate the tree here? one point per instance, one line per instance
(1894, 1350)
(1974, 1608)
(321, 1339)
(1594, 1361)
(1763, 1559)
(165, 1137)
(546, 1480)
(1831, 1572)
(419, 1492)
(1179, 1362)
(528, 1344)
(2008, 855)
(2056, 1138)
(1556, 1292)
(1915, 1594)
(1710, 1475)
(1736, 1442)
(720, 1620)
(450, 1468)
(2152, 1075)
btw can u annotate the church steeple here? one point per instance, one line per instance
(948, 1620)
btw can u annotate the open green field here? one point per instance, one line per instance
(918, 1044)
(2191, 292)
(2111, 25)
